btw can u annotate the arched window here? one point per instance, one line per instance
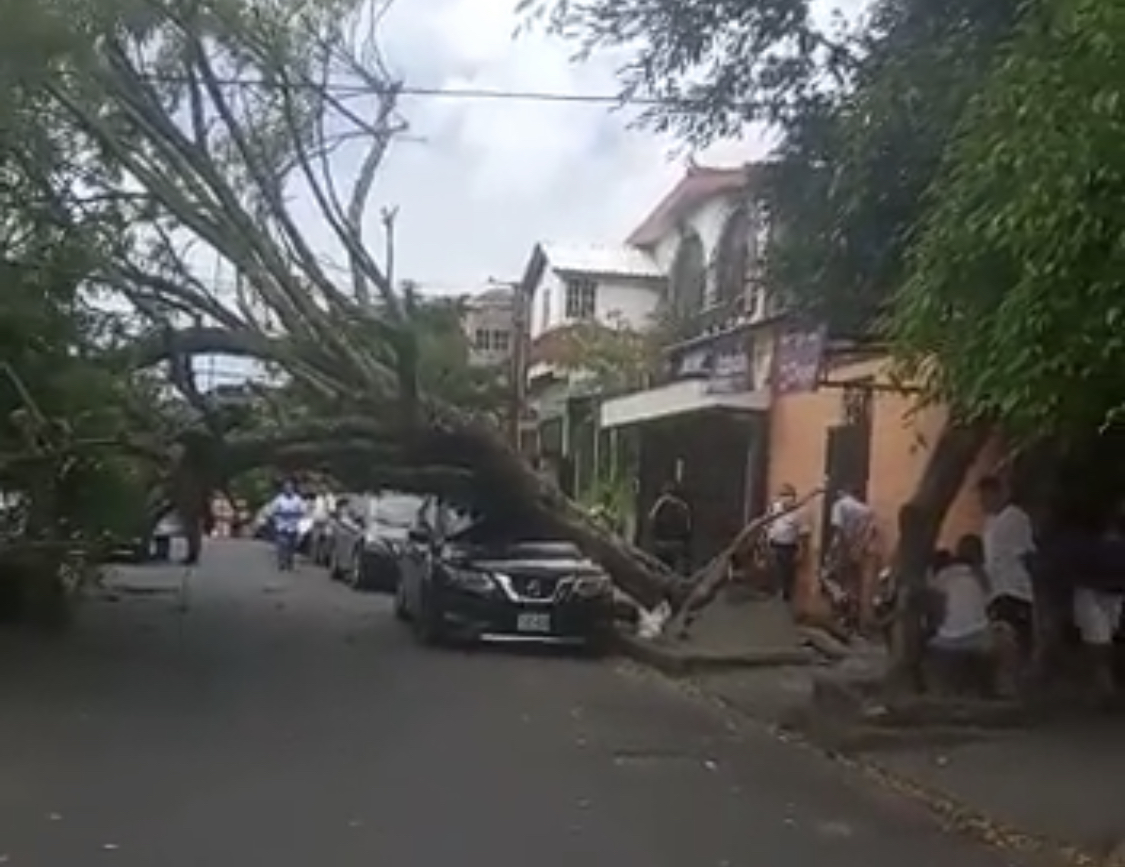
(688, 277)
(733, 257)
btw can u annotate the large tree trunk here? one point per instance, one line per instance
(506, 483)
(919, 523)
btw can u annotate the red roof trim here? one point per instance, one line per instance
(698, 184)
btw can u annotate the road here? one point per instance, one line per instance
(285, 721)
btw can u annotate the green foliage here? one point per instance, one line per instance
(1017, 290)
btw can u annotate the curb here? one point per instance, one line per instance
(674, 662)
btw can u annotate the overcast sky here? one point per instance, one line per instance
(491, 178)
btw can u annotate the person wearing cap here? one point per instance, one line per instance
(786, 536)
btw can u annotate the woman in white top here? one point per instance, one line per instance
(963, 586)
(965, 626)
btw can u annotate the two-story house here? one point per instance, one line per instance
(567, 287)
(704, 423)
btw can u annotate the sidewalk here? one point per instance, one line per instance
(1062, 782)
(728, 634)
(1051, 787)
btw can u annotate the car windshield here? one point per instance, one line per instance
(518, 538)
(394, 510)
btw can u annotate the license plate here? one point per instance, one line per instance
(536, 623)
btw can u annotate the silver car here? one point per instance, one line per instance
(368, 539)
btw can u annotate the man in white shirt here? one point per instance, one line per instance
(853, 554)
(786, 536)
(287, 511)
(1009, 543)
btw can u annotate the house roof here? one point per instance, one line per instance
(698, 184)
(601, 259)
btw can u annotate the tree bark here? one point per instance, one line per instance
(919, 523)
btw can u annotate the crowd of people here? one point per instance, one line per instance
(982, 593)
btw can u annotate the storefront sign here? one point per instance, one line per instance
(731, 371)
(694, 364)
(797, 361)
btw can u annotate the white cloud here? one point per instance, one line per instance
(491, 177)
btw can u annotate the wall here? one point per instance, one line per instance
(708, 220)
(900, 442)
(618, 299)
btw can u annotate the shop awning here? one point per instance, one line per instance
(679, 398)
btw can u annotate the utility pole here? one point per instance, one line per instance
(517, 363)
(389, 216)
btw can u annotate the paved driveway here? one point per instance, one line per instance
(277, 721)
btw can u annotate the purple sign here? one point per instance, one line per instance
(796, 361)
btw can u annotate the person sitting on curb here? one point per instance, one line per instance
(965, 637)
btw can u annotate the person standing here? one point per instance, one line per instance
(670, 528)
(1098, 609)
(786, 536)
(1009, 545)
(286, 512)
(853, 555)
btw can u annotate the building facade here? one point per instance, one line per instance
(566, 288)
(704, 422)
(491, 326)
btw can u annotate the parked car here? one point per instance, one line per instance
(368, 539)
(479, 579)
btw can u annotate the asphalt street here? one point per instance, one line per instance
(251, 718)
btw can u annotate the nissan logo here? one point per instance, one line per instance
(534, 589)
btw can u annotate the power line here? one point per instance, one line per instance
(451, 93)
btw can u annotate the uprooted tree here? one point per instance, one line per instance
(945, 184)
(201, 120)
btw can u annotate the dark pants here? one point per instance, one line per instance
(783, 562)
(673, 553)
(1019, 615)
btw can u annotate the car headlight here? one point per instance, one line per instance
(593, 585)
(473, 582)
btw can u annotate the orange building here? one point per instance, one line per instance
(880, 436)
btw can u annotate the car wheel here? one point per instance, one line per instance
(354, 575)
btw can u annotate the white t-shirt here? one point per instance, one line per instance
(965, 602)
(849, 516)
(1008, 538)
(287, 510)
(787, 529)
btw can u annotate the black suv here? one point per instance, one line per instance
(465, 577)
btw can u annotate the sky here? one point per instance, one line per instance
(479, 182)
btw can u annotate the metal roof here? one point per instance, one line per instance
(601, 259)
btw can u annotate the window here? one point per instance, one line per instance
(581, 298)
(492, 340)
(546, 305)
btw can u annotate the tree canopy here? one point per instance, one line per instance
(944, 176)
(171, 135)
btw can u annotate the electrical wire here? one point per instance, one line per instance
(451, 93)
